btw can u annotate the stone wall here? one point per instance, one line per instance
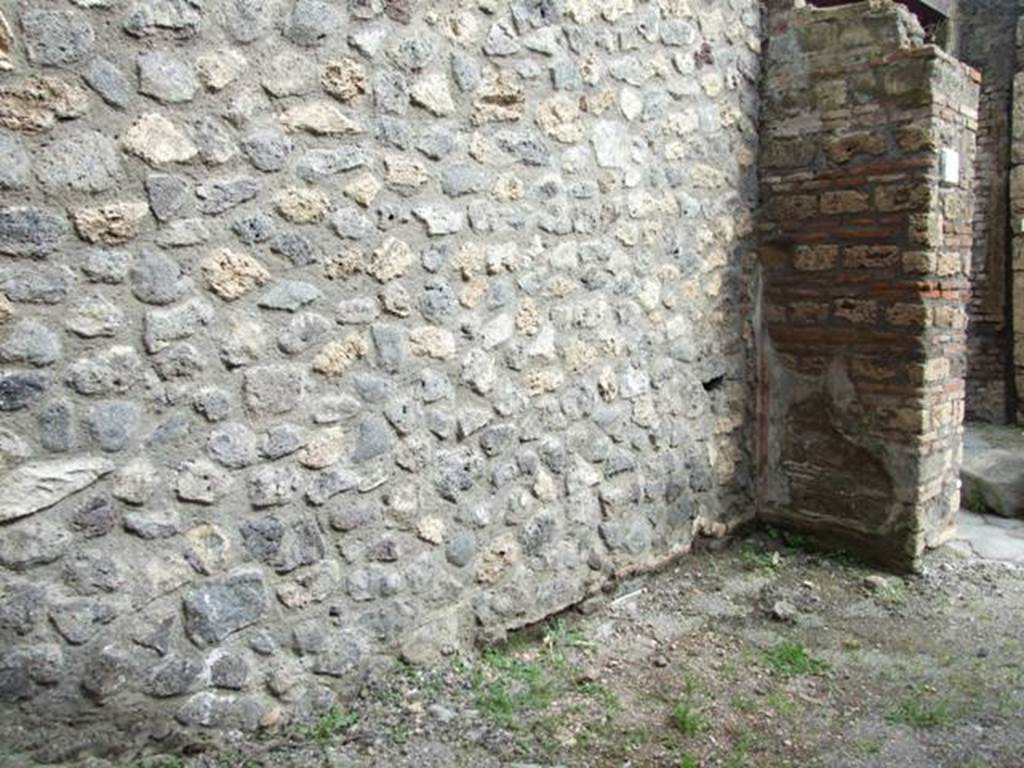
(333, 332)
(866, 171)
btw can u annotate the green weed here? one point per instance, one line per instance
(918, 713)
(508, 686)
(687, 719)
(753, 559)
(334, 722)
(791, 659)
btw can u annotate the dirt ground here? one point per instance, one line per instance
(760, 656)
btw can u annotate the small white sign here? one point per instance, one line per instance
(950, 166)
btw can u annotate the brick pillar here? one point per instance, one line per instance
(865, 237)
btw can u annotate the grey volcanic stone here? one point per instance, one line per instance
(273, 486)
(57, 426)
(375, 438)
(22, 606)
(233, 445)
(525, 146)
(461, 548)
(208, 710)
(201, 482)
(351, 223)
(289, 295)
(152, 525)
(215, 140)
(107, 79)
(217, 608)
(273, 389)
(85, 161)
(15, 163)
(222, 195)
(174, 18)
(110, 267)
(20, 390)
(229, 671)
(283, 547)
(281, 440)
(248, 20)
(79, 620)
(32, 543)
(457, 471)
(329, 483)
(96, 517)
(30, 343)
(158, 279)
(32, 232)
(256, 228)
(213, 403)
(268, 149)
(106, 673)
(459, 180)
(318, 164)
(166, 77)
(169, 195)
(57, 38)
(357, 311)
(174, 676)
(24, 668)
(391, 343)
(114, 423)
(303, 331)
(296, 248)
(290, 74)
(38, 284)
(311, 22)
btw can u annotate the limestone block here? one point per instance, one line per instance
(39, 485)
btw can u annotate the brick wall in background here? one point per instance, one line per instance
(985, 40)
(1017, 210)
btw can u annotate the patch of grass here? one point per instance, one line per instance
(741, 747)
(918, 713)
(687, 719)
(754, 559)
(783, 705)
(559, 636)
(507, 686)
(892, 593)
(793, 542)
(791, 659)
(686, 760)
(399, 733)
(744, 704)
(160, 761)
(691, 684)
(870, 746)
(333, 723)
(608, 698)
(634, 736)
